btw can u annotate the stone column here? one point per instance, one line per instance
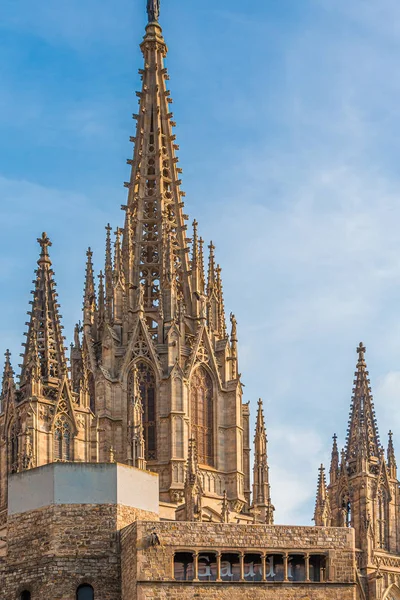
(285, 567)
(219, 566)
(241, 566)
(307, 565)
(264, 566)
(195, 566)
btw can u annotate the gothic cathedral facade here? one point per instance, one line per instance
(153, 383)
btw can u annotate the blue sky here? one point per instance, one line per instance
(288, 125)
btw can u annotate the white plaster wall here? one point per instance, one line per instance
(82, 483)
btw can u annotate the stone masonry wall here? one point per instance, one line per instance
(51, 551)
(153, 578)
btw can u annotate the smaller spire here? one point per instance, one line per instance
(109, 276)
(89, 303)
(211, 270)
(153, 10)
(101, 297)
(391, 457)
(201, 265)
(221, 306)
(193, 487)
(261, 487)
(137, 446)
(322, 513)
(234, 342)
(8, 383)
(334, 470)
(225, 511)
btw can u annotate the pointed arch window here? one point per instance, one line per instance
(202, 418)
(147, 383)
(62, 439)
(383, 518)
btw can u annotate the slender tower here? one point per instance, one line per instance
(158, 313)
(43, 419)
(363, 491)
(262, 507)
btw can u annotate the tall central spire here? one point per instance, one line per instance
(154, 215)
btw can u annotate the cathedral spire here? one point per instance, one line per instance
(108, 276)
(262, 504)
(322, 512)
(362, 436)
(44, 354)
(334, 470)
(8, 382)
(89, 302)
(160, 261)
(391, 457)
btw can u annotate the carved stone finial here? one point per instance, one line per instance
(44, 242)
(153, 10)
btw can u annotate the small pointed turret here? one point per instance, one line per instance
(8, 383)
(391, 458)
(101, 298)
(322, 513)
(136, 451)
(362, 436)
(193, 487)
(118, 279)
(221, 306)
(201, 266)
(89, 302)
(109, 277)
(44, 354)
(262, 504)
(334, 470)
(234, 349)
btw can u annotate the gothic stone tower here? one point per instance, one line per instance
(156, 313)
(42, 419)
(363, 492)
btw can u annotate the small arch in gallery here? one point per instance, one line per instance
(25, 595)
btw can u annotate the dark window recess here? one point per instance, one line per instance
(183, 566)
(317, 568)
(296, 568)
(230, 567)
(25, 595)
(252, 567)
(207, 564)
(85, 592)
(274, 567)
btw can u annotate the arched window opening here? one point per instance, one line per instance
(317, 568)
(85, 592)
(253, 567)
(274, 567)
(25, 595)
(183, 566)
(382, 519)
(62, 439)
(147, 384)
(201, 401)
(14, 447)
(296, 568)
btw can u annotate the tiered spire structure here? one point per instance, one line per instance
(262, 504)
(44, 354)
(362, 436)
(363, 491)
(8, 382)
(322, 512)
